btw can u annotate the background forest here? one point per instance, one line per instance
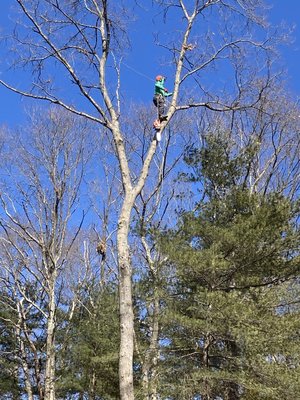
(132, 268)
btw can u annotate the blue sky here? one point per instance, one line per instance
(142, 68)
(288, 11)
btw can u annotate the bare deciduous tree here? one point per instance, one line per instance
(38, 198)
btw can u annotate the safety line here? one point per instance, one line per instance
(137, 72)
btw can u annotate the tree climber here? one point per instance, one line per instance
(159, 101)
(159, 97)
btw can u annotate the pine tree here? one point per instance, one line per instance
(229, 330)
(9, 383)
(88, 361)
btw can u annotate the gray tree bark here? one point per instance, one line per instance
(50, 342)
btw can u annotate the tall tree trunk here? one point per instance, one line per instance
(24, 364)
(154, 350)
(125, 303)
(149, 369)
(50, 344)
(125, 272)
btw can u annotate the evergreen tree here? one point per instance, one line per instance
(229, 330)
(88, 362)
(9, 383)
(22, 345)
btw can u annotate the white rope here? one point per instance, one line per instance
(137, 72)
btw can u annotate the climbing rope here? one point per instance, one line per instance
(137, 72)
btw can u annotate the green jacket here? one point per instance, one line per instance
(160, 89)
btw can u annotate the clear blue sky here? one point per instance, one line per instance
(288, 11)
(282, 10)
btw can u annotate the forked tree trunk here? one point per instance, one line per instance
(124, 261)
